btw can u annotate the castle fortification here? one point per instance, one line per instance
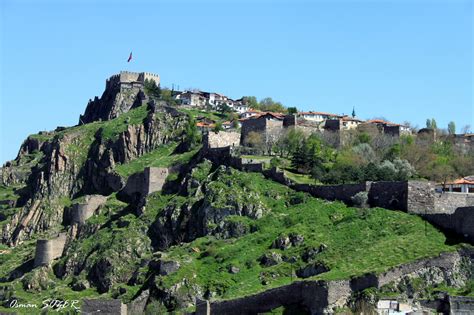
(48, 250)
(123, 92)
(141, 184)
(127, 78)
(80, 212)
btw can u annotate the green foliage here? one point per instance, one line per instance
(312, 153)
(292, 110)
(151, 89)
(251, 101)
(356, 243)
(269, 105)
(364, 137)
(452, 127)
(161, 157)
(218, 127)
(191, 134)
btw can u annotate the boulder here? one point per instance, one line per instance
(312, 270)
(234, 270)
(164, 267)
(270, 259)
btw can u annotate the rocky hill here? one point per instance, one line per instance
(127, 206)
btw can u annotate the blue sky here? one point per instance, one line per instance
(403, 60)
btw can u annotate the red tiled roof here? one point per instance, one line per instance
(381, 121)
(469, 180)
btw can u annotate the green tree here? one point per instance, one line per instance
(151, 89)
(250, 101)
(364, 137)
(452, 128)
(224, 108)
(434, 125)
(217, 127)
(292, 110)
(428, 123)
(191, 134)
(269, 105)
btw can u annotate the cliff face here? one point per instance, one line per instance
(208, 231)
(81, 160)
(117, 98)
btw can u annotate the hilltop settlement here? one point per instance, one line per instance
(162, 201)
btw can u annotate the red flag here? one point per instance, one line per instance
(129, 57)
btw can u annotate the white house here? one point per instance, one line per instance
(317, 116)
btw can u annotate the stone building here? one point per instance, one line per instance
(390, 128)
(268, 125)
(461, 185)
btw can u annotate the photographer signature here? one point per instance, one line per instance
(53, 304)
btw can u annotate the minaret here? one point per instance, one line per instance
(353, 112)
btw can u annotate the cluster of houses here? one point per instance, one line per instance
(210, 100)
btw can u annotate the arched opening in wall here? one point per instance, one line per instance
(394, 203)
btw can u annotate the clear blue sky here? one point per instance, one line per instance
(403, 60)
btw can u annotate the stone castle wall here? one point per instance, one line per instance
(389, 195)
(450, 211)
(99, 306)
(343, 192)
(80, 212)
(127, 77)
(320, 297)
(141, 184)
(222, 139)
(48, 250)
(155, 178)
(461, 221)
(252, 125)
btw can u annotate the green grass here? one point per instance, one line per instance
(195, 113)
(358, 241)
(300, 178)
(160, 157)
(257, 157)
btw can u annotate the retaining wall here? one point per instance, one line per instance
(461, 221)
(318, 297)
(48, 250)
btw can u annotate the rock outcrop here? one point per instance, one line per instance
(70, 166)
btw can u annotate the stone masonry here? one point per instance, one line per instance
(103, 307)
(321, 297)
(141, 184)
(80, 212)
(48, 250)
(222, 139)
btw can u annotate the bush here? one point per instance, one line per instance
(360, 200)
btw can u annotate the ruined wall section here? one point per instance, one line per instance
(141, 184)
(78, 213)
(48, 250)
(221, 139)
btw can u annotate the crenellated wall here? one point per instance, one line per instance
(48, 250)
